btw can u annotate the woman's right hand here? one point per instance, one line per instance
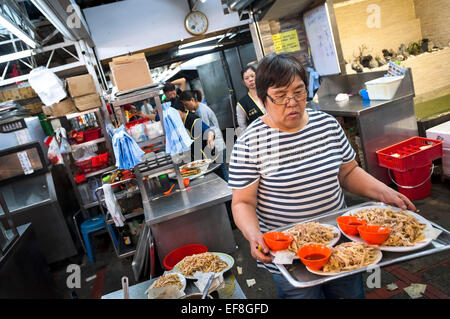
(261, 253)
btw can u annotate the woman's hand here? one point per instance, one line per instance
(392, 197)
(261, 253)
(210, 141)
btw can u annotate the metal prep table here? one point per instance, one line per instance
(232, 290)
(194, 215)
(380, 123)
(300, 277)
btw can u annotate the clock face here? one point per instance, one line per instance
(196, 23)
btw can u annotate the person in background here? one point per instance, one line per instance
(191, 101)
(171, 94)
(250, 107)
(293, 163)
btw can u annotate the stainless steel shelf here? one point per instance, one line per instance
(159, 140)
(100, 171)
(127, 216)
(136, 97)
(93, 142)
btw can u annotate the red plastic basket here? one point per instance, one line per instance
(175, 256)
(99, 160)
(411, 153)
(92, 134)
(133, 123)
(84, 166)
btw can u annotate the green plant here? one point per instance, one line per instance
(414, 48)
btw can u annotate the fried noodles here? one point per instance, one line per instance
(309, 233)
(349, 256)
(168, 280)
(205, 262)
(405, 229)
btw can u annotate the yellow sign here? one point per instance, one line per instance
(286, 41)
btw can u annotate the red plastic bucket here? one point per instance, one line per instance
(175, 256)
(414, 183)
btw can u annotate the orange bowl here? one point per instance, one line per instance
(349, 224)
(373, 235)
(314, 256)
(277, 240)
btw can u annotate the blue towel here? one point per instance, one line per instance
(313, 82)
(127, 152)
(177, 139)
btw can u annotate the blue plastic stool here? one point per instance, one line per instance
(91, 225)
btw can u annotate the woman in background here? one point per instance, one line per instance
(191, 101)
(249, 108)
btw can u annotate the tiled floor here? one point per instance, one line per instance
(431, 270)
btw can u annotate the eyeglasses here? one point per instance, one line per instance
(285, 100)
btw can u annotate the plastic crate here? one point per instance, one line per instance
(92, 134)
(411, 153)
(84, 166)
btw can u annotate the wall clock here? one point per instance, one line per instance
(196, 23)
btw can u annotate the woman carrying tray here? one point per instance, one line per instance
(290, 164)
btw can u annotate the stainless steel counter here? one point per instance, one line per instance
(380, 123)
(196, 215)
(201, 193)
(232, 290)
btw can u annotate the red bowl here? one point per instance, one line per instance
(277, 240)
(373, 235)
(314, 256)
(176, 255)
(349, 224)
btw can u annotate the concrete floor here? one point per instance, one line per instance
(431, 270)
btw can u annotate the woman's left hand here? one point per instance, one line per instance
(392, 197)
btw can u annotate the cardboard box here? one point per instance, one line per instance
(62, 108)
(47, 110)
(88, 102)
(130, 72)
(81, 85)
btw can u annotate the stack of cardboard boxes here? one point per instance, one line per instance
(83, 96)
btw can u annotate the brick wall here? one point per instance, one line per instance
(397, 24)
(431, 74)
(434, 18)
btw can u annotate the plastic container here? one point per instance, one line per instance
(133, 123)
(383, 88)
(277, 240)
(373, 235)
(440, 132)
(99, 160)
(414, 183)
(411, 153)
(446, 162)
(92, 134)
(349, 224)
(84, 166)
(175, 256)
(310, 256)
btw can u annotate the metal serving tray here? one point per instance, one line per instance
(300, 277)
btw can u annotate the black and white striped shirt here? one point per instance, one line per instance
(297, 172)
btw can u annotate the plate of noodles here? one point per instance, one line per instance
(169, 279)
(349, 256)
(409, 231)
(311, 233)
(204, 262)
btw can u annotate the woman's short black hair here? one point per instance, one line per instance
(193, 94)
(168, 87)
(248, 67)
(278, 70)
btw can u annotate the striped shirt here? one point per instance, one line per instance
(297, 172)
